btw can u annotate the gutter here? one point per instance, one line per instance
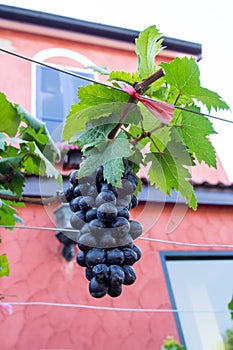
(48, 20)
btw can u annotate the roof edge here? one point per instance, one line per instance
(44, 19)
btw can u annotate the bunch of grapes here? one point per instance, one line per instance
(105, 232)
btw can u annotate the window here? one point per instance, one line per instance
(200, 288)
(56, 91)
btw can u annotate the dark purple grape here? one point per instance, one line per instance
(130, 256)
(68, 252)
(95, 256)
(91, 214)
(81, 190)
(116, 275)
(106, 212)
(105, 197)
(88, 239)
(97, 227)
(97, 290)
(121, 211)
(77, 219)
(83, 247)
(137, 251)
(86, 202)
(124, 201)
(69, 193)
(92, 191)
(73, 178)
(88, 274)
(120, 226)
(74, 204)
(132, 178)
(63, 238)
(115, 291)
(130, 275)
(115, 257)
(101, 273)
(134, 201)
(81, 259)
(136, 229)
(99, 178)
(127, 187)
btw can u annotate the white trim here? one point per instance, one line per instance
(57, 52)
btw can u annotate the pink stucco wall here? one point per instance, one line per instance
(39, 273)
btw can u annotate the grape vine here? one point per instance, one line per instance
(119, 131)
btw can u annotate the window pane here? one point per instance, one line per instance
(201, 290)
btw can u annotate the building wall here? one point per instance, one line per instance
(39, 273)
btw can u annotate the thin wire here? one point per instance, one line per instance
(57, 68)
(101, 83)
(141, 238)
(105, 308)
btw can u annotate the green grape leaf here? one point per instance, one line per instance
(4, 265)
(194, 132)
(9, 118)
(210, 99)
(113, 170)
(148, 45)
(36, 131)
(230, 307)
(92, 137)
(17, 183)
(129, 78)
(182, 73)
(36, 163)
(7, 214)
(168, 170)
(105, 154)
(94, 94)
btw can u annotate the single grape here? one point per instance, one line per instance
(88, 274)
(101, 273)
(97, 227)
(130, 256)
(81, 190)
(130, 275)
(86, 202)
(95, 256)
(120, 226)
(106, 212)
(124, 212)
(83, 247)
(77, 220)
(97, 290)
(105, 197)
(137, 251)
(134, 201)
(88, 239)
(69, 193)
(116, 275)
(63, 238)
(136, 229)
(81, 259)
(91, 214)
(115, 291)
(115, 257)
(74, 204)
(73, 178)
(92, 191)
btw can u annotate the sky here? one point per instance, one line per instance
(207, 22)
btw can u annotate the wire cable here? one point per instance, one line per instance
(106, 308)
(103, 84)
(210, 245)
